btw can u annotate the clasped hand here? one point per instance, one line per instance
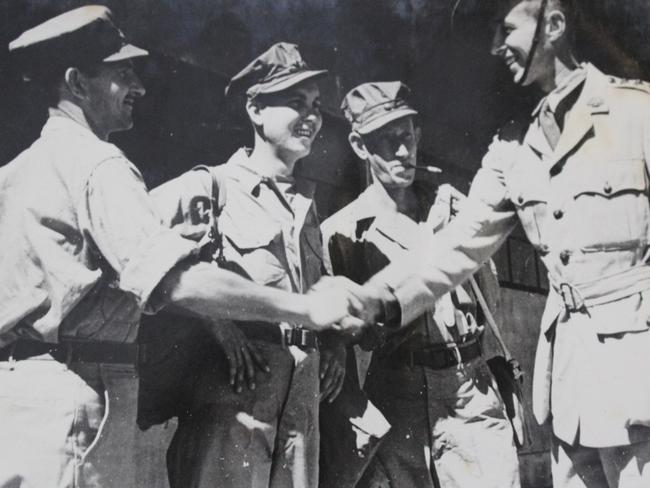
(339, 303)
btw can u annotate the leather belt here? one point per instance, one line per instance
(75, 351)
(263, 331)
(434, 358)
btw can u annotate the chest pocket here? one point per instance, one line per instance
(529, 192)
(614, 193)
(256, 247)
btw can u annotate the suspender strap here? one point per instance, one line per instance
(217, 203)
(489, 318)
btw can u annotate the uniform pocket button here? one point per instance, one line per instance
(558, 214)
(520, 199)
(607, 189)
(564, 257)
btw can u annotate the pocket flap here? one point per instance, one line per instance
(251, 233)
(611, 178)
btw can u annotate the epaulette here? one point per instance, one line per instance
(640, 85)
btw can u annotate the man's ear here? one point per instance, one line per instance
(555, 25)
(76, 83)
(358, 146)
(418, 134)
(254, 111)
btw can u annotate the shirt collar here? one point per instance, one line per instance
(568, 86)
(242, 171)
(378, 200)
(68, 116)
(375, 200)
(248, 176)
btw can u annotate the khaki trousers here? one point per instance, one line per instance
(67, 427)
(262, 438)
(448, 429)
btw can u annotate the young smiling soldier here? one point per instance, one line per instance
(448, 424)
(84, 253)
(575, 174)
(265, 435)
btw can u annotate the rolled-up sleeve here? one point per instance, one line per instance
(458, 250)
(119, 216)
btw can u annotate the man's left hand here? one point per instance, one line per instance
(332, 372)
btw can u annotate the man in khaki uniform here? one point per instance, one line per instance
(265, 435)
(84, 254)
(430, 380)
(576, 176)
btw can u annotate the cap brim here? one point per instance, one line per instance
(384, 119)
(290, 81)
(127, 51)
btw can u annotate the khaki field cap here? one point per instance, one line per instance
(275, 70)
(372, 105)
(80, 37)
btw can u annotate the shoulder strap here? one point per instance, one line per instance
(489, 318)
(625, 83)
(217, 192)
(214, 251)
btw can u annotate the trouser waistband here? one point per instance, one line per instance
(434, 358)
(75, 351)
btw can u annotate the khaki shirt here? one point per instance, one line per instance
(270, 229)
(584, 207)
(277, 242)
(366, 235)
(82, 245)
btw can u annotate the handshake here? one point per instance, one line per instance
(338, 303)
(333, 303)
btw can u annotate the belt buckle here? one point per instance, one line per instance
(571, 302)
(458, 358)
(300, 337)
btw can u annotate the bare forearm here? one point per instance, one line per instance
(205, 290)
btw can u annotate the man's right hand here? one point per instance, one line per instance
(334, 302)
(243, 358)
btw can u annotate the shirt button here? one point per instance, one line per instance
(520, 199)
(564, 257)
(558, 214)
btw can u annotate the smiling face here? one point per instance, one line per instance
(289, 120)
(111, 93)
(513, 43)
(391, 152)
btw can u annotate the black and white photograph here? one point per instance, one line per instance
(324, 244)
